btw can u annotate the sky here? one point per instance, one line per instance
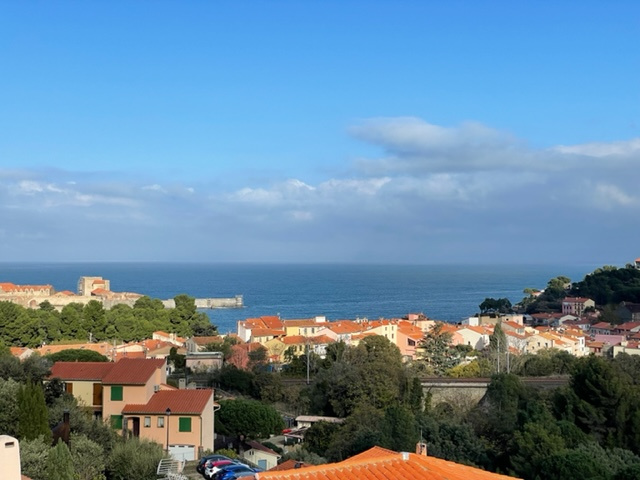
(342, 131)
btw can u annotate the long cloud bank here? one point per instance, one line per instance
(434, 194)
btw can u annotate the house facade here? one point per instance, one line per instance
(132, 396)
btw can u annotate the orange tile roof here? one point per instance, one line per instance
(318, 339)
(305, 322)
(100, 291)
(181, 402)
(344, 326)
(410, 330)
(203, 341)
(294, 340)
(133, 371)
(266, 332)
(103, 347)
(381, 464)
(81, 370)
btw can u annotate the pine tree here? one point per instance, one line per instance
(33, 417)
(60, 464)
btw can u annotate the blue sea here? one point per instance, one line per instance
(442, 292)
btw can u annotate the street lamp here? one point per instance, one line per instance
(168, 412)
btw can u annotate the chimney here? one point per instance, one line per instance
(405, 456)
(421, 448)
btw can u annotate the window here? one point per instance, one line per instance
(147, 422)
(184, 424)
(116, 421)
(160, 422)
(68, 387)
(116, 393)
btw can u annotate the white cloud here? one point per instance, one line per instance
(600, 150)
(431, 191)
(610, 196)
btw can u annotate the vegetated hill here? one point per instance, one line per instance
(610, 285)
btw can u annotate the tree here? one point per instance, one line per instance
(9, 407)
(319, 436)
(499, 349)
(32, 413)
(249, 418)
(88, 458)
(76, 355)
(436, 350)
(492, 305)
(34, 457)
(59, 464)
(134, 458)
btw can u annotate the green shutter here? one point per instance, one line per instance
(184, 424)
(116, 421)
(116, 393)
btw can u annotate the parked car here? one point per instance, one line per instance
(213, 467)
(203, 460)
(226, 472)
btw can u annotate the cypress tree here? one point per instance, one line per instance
(59, 463)
(33, 417)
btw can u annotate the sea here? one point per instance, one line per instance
(294, 291)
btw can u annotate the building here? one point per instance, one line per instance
(576, 305)
(382, 464)
(133, 396)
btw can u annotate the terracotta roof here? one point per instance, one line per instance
(203, 341)
(575, 300)
(81, 370)
(381, 464)
(319, 339)
(306, 322)
(266, 332)
(344, 326)
(258, 446)
(181, 402)
(100, 291)
(295, 340)
(103, 347)
(133, 371)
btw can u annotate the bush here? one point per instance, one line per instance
(134, 458)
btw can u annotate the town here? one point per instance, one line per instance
(168, 388)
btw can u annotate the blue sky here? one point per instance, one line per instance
(308, 131)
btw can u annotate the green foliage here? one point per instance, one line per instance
(610, 286)
(498, 349)
(477, 368)
(134, 458)
(372, 372)
(227, 452)
(223, 346)
(454, 440)
(492, 305)
(9, 407)
(233, 379)
(59, 464)
(178, 361)
(249, 418)
(34, 457)
(269, 387)
(76, 355)
(21, 326)
(319, 436)
(304, 455)
(438, 354)
(88, 458)
(32, 413)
